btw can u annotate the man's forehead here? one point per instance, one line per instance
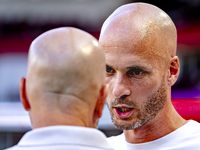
(153, 52)
(124, 57)
(127, 48)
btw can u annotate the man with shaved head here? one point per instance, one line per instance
(140, 43)
(64, 92)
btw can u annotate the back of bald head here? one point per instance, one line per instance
(64, 61)
(140, 23)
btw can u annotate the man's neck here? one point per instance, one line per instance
(52, 119)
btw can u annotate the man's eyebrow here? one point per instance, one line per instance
(108, 66)
(137, 67)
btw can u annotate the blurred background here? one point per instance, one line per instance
(21, 21)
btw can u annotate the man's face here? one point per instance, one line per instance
(136, 86)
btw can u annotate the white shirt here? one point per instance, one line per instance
(63, 138)
(186, 137)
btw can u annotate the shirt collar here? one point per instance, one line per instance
(65, 135)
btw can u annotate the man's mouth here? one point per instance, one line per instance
(123, 112)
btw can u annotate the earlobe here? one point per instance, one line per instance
(173, 70)
(24, 100)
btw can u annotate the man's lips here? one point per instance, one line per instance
(123, 111)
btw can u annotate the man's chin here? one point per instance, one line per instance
(124, 125)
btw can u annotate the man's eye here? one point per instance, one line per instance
(109, 70)
(135, 72)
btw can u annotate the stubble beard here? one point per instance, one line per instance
(150, 109)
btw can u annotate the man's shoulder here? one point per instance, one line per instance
(187, 138)
(63, 137)
(194, 126)
(193, 129)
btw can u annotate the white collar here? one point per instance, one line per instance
(65, 135)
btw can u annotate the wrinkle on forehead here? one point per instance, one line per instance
(122, 53)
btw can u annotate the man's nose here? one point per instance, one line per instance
(120, 88)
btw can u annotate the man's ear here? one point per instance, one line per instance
(173, 70)
(24, 100)
(100, 102)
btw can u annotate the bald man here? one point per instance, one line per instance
(140, 43)
(64, 92)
